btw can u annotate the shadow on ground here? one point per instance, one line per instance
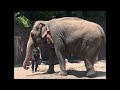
(83, 73)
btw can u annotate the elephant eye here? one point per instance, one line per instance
(37, 28)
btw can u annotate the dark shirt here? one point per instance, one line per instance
(35, 56)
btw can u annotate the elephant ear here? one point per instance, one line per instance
(44, 31)
(49, 39)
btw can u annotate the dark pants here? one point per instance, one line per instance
(34, 62)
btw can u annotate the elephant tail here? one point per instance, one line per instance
(103, 36)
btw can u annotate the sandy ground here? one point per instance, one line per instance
(75, 71)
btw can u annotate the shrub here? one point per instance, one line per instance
(23, 21)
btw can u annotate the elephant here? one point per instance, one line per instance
(66, 35)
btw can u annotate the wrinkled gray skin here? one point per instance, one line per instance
(64, 36)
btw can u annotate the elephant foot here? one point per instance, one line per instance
(91, 73)
(63, 73)
(50, 71)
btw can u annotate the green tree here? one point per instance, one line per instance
(27, 18)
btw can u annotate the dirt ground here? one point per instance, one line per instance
(75, 71)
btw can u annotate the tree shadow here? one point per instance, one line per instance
(80, 74)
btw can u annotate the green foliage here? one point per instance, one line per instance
(46, 15)
(26, 17)
(23, 21)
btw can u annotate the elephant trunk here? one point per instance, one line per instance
(30, 47)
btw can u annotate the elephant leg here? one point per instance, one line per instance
(95, 55)
(56, 60)
(62, 63)
(51, 62)
(90, 69)
(93, 60)
(92, 56)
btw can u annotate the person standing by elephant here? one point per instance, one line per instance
(35, 60)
